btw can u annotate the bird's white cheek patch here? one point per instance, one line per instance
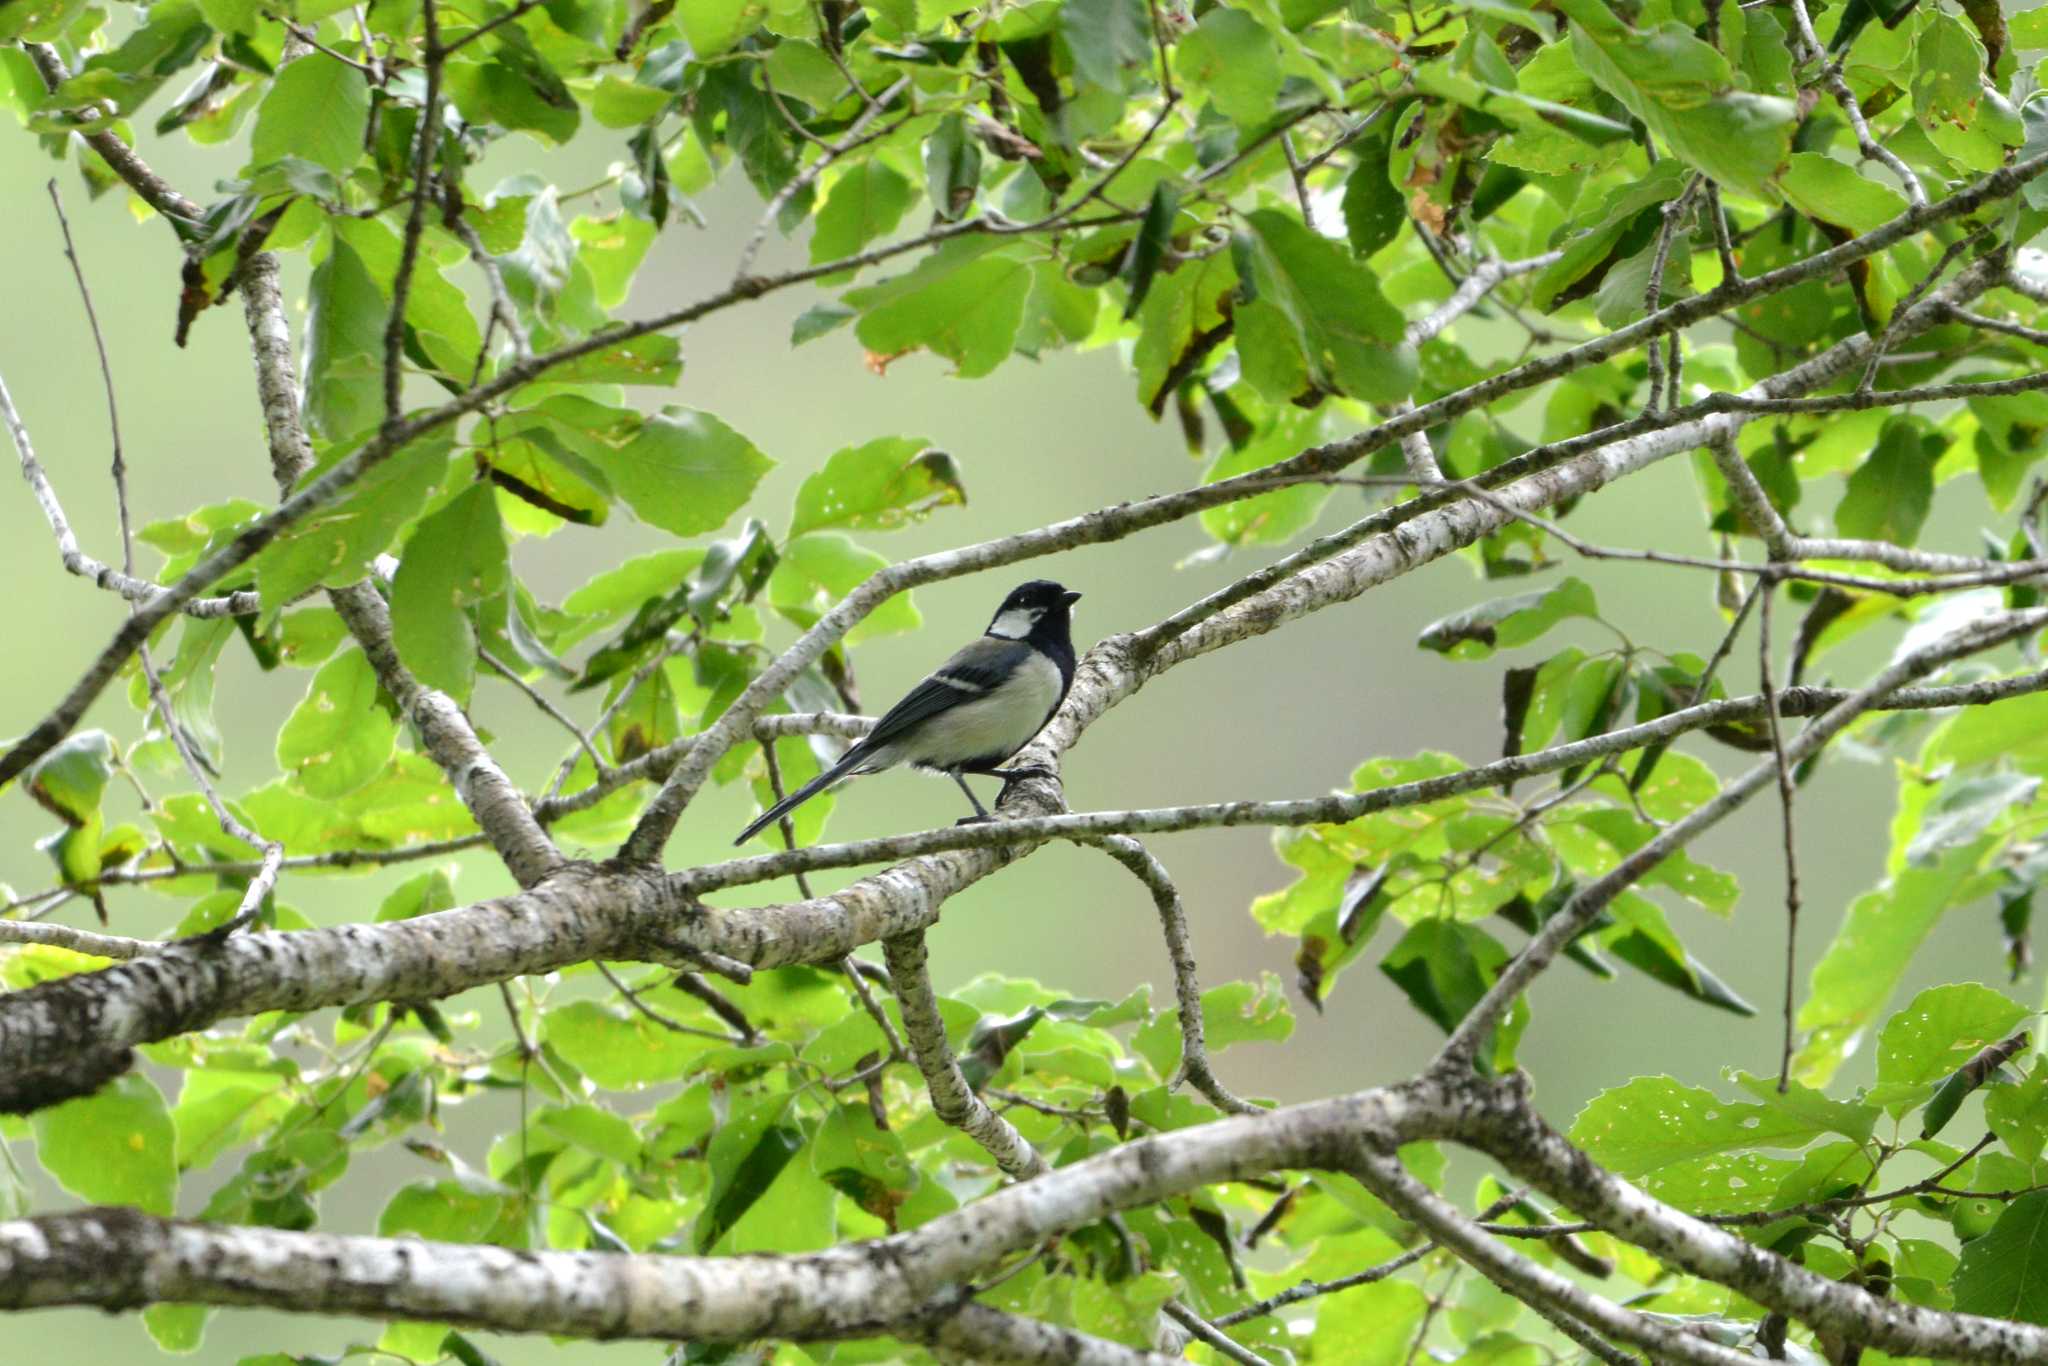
(1014, 624)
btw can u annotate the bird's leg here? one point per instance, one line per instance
(980, 812)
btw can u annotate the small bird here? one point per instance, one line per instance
(975, 710)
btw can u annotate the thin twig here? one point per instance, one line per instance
(1341, 808)
(673, 1026)
(85, 566)
(92, 317)
(1767, 591)
(428, 146)
(548, 709)
(78, 941)
(1207, 1333)
(1810, 50)
(518, 11)
(1724, 246)
(856, 136)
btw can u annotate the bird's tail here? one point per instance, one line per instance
(847, 763)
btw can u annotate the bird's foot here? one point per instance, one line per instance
(974, 820)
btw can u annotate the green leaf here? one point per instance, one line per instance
(517, 90)
(1948, 72)
(1684, 91)
(620, 1049)
(1444, 967)
(1890, 492)
(334, 544)
(715, 26)
(177, 1327)
(1620, 225)
(1869, 955)
(318, 111)
(344, 342)
(534, 466)
(1808, 1106)
(442, 1211)
(1233, 57)
(2014, 729)
(653, 359)
(862, 205)
(819, 569)
(1104, 36)
(2004, 1274)
(1655, 1122)
(952, 168)
(1835, 192)
(595, 1130)
(1347, 335)
(115, 1147)
(69, 780)
(339, 737)
(887, 483)
(1938, 1031)
(1372, 1325)
(1374, 209)
(455, 559)
(426, 894)
(745, 1157)
(1268, 518)
(687, 472)
(1237, 1012)
(1149, 248)
(1966, 808)
(1505, 623)
(965, 302)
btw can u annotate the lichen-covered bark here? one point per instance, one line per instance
(120, 1259)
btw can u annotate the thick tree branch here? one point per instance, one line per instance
(952, 1099)
(121, 1259)
(1506, 1128)
(1536, 1285)
(1187, 986)
(587, 913)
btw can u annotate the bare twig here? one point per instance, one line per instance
(1335, 810)
(1810, 50)
(671, 1025)
(92, 317)
(427, 148)
(78, 941)
(85, 566)
(547, 708)
(1766, 590)
(856, 136)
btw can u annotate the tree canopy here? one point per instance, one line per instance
(1484, 261)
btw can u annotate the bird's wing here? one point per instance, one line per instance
(973, 672)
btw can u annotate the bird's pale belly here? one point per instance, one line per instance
(995, 725)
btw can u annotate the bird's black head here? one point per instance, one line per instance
(1038, 609)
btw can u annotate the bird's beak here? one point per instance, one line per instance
(1072, 597)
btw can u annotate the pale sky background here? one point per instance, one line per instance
(1287, 715)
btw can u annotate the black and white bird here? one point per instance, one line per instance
(974, 711)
